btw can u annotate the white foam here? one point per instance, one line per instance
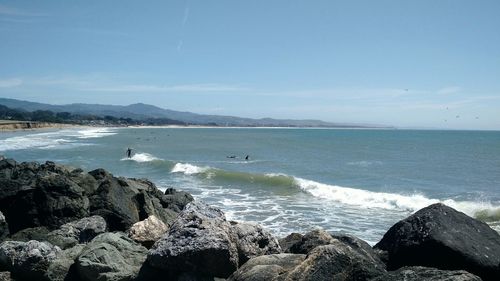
(365, 163)
(141, 158)
(40, 141)
(391, 201)
(188, 169)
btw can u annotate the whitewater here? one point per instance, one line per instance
(359, 181)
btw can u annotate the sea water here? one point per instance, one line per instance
(355, 181)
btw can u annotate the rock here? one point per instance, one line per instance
(337, 261)
(80, 231)
(123, 202)
(441, 237)
(287, 242)
(310, 241)
(5, 276)
(63, 266)
(27, 260)
(175, 200)
(200, 241)
(417, 273)
(148, 231)
(253, 240)
(267, 267)
(4, 228)
(34, 233)
(110, 256)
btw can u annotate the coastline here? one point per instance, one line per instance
(10, 126)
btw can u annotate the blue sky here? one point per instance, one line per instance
(403, 63)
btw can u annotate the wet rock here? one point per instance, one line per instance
(27, 260)
(267, 267)
(34, 233)
(5, 276)
(110, 256)
(148, 231)
(252, 241)
(417, 273)
(441, 237)
(80, 231)
(199, 241)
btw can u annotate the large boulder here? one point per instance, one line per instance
(287, 242)
(252, 240)
(337, 261)
(418, 273)
(80, 231)
(27, 260)
(175, 200)
(268, 267)
(5, 276)
(63, 268)
(148, 231)
(123, 202)
(110, 256)
(441, 237)
(4, 228)
(311, 240)
(33, 195)
(33, 233)
(200, 240)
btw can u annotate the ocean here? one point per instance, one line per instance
(294, 180)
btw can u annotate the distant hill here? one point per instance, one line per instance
(140, 111)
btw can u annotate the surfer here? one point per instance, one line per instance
(129, 152)
(246, 158)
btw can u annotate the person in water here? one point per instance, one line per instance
(129, 152)
(246, 158)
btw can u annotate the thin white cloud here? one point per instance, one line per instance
(10, 11)
(173, 88)
(186, 14)
(9, 83)
(449, 90)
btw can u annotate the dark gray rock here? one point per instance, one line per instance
(175, 200)
(268, 267)
(111, 256)
(417, 273)
(441, 237)
(80, 231)
(27, 260)
(123, 202)
(311, 240)
(34, 233)
(4, 228)
(63, 266)
(287, 242)
(337, 261)
(252, 241)
(200, 241)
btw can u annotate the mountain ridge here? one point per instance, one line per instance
(142, 111)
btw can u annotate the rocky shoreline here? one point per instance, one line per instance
(61, 223)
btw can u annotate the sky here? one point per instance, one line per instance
(418, 64)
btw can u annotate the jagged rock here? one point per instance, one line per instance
(175, 200)
(417, 273)
(40, 195)
(27, 260)
(287, 242)
(441, 237)
(199, 241)
(63, 266)
(253, 240)
(34, 233)
(80, 231)
(337, 261)
(268, 267)
(4, 228)
(110, 256)
(123, 202)
(148, 231)
(310, 241)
